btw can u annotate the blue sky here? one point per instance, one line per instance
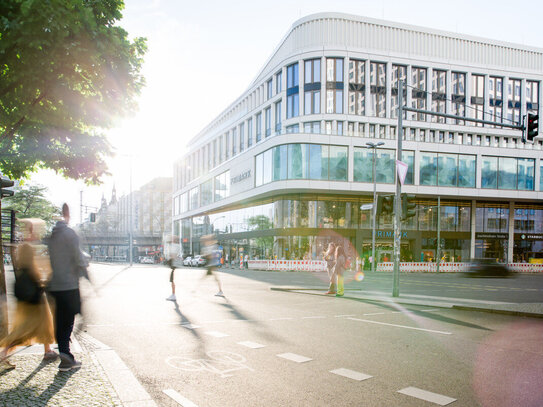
(203, 55)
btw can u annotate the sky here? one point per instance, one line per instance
(203, 55)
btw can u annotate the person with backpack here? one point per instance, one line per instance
(33, 319)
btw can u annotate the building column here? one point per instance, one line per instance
(511, 241)
(473, 229)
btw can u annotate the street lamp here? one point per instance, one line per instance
(215, 220)
(374, 147)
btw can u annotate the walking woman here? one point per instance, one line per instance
(33, 321)
(329, 257)
(339, 270)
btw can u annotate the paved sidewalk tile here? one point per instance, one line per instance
(33, 383)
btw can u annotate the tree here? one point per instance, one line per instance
(262, 222)
(30, 202)
(67, 73)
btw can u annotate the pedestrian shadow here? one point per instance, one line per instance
(184, 322)
(261, 329)
(28, 393)
(421, 313)
(98, 288)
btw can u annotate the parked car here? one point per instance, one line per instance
(147, 260)
(487, 268)
(198, 261)
(187, 261)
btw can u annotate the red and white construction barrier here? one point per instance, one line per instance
(288, 265)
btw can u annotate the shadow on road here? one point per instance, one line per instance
(261, 330)
(184, 321)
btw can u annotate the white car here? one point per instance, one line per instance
(147, 260)
(198, 261)
(187, 261)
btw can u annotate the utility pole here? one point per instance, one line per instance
(398, 198)
(373, 232)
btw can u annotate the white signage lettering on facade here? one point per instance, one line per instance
(240, 177)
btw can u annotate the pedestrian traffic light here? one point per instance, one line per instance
(408, 206)
(385, 204)
(532, 126)
(6, 183)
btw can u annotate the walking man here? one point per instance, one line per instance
(68, 265)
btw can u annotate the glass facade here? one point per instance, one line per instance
(312, 86)
(334, 85)
(357, 87)
(449, 170)
(293, 98)
(301, 161)
(508, 173)
(378, 89)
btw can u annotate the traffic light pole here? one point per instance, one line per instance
(398, 198)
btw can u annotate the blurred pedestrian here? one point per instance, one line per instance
(339, 270)
(210, 251)
(68, 264)
(329, 257)
(172, 248)
(33, 319)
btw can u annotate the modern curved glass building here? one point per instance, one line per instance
(283, 170)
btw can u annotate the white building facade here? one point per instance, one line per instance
(283, 170)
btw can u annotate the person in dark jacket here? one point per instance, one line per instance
(68, 264)
(339, 270)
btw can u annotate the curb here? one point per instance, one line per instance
(129, 390)
(498, 311)
(415, 302)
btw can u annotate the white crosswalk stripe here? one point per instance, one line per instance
(351, 374)
(427, 396)
(216, 334)
(252, 345)
(294, 357)
(178, 398)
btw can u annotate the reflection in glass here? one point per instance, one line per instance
(428, 169)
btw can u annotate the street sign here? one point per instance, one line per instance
(366, 207)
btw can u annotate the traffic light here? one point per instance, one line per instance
(6, 183)
(408, 206)
(93, 217)
(532, 126)
(385, 204)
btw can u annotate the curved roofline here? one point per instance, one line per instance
(371, 20)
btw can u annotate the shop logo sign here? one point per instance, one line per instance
(240, 177)
(389, 233)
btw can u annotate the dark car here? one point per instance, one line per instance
(487, 268)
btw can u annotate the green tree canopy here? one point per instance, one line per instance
(30, 202)
(67, 73)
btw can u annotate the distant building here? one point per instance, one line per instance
(108, 237)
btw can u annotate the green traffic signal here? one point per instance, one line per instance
(408, 206)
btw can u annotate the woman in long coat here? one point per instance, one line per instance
(33, 323)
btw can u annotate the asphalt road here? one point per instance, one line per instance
(258, 347)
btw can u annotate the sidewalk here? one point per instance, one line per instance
(534, 310)
(103, 380)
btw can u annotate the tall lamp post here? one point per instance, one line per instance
(374, 147)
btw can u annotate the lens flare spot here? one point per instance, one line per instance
(359, 276)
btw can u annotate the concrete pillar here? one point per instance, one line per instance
(511, 241)
(473, 228)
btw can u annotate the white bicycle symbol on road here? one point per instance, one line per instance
(219, 362)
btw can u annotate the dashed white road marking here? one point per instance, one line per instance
(315, 317)
(376, 313)
(351, 374)
(280, 319)
(178, 398)
(427, 396)
(190, 326)
(343, 316)
(216, 334)
(294, 357)
(252, 345)
(401, 326)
